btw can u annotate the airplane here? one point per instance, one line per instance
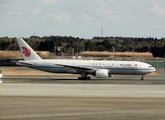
(97, 68)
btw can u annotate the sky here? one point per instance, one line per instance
(82, 18)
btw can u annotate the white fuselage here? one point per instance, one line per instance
(114, 67)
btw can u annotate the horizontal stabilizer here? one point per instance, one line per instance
(23, 63)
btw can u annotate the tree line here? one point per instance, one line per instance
(120, 44)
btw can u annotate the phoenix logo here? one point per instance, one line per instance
(26, 51)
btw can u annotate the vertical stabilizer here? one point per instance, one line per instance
(27, 52)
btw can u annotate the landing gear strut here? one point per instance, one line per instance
(84, 76)
(142, 77)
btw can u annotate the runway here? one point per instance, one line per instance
(82, 90)
(81, 101)
(31, 96)
(125, 80)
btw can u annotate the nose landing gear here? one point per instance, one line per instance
(142, 77)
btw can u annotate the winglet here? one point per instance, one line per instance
(27, 52)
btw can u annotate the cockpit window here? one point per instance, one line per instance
(150, 66)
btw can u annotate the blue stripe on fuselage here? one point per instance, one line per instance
(62, 69)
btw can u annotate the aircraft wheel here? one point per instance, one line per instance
(84, 78)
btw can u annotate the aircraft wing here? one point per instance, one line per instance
(79, 68)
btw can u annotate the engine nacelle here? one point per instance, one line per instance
(101, 73)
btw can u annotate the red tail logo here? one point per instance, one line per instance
(26, 51)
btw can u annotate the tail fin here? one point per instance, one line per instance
(27, 52)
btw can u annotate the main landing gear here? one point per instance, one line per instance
(84, 76)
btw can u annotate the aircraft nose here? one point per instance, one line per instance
(154, 69)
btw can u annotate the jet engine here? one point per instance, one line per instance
(102, 73)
